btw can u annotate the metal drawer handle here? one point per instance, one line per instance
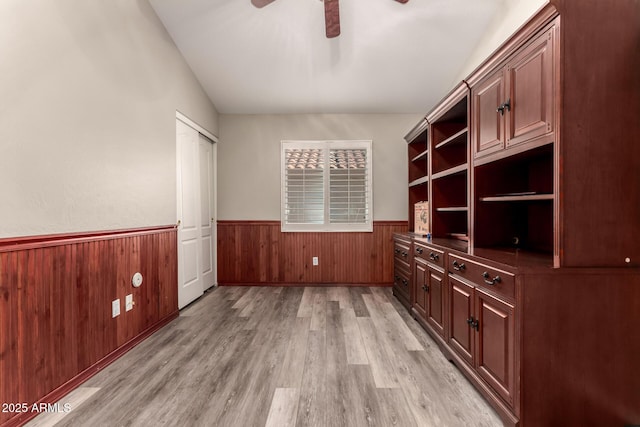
(425, 288)
(396, 250)
(405, 282)
(404, 254)
(433, 256)
(489, 281)
(419, 250)
(458, 266)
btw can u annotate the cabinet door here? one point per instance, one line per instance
(435, 301)
(531, 83)
(461, 302)
(487, 124)
(421, 289)
(495, 344)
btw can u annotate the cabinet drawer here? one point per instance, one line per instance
(399, 264)
(401, 251)
(401, 281)
(482, 275)
(432, 256)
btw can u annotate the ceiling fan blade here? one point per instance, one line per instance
(261, 3)
(332, 18)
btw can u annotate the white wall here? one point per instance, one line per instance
(88, 94)
(249, 159)
(511, 17)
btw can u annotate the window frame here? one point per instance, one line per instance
(325, 146)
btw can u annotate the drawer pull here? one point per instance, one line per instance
(404, 254)
(419, 250)
(458, 266)
(396, 250)
(489, 281)
(397, 277)
(405, 282)
(434, 256)
(425, 288)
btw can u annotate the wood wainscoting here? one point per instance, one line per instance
(56, 328)
(257, 252)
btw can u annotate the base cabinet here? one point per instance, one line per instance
(482, 334)
(402, 282)
(428, 287)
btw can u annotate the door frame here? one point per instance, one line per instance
(214, 197)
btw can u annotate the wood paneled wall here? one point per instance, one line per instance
(252, 252)
(56, 328)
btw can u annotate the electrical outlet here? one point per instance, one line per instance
(128, 302)
(315, 260)
(115, 308)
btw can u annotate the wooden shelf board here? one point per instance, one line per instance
(455, 138)
(451, 171)
(420, 156)
(520, 258)
(453, 209)
(517, 198)
(458, 236)
(419, 181)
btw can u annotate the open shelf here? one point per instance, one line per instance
(419, 181)
(457, 138)
(451, 171)
(453, 209)
(421, 156)
(517, 198)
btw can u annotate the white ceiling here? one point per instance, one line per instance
(389, 58)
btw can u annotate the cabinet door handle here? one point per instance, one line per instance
(425, 288)
(473, 323)
(405, 282)
(504, 106)
(419, 250)
(458, 266)
(433, 256)
(490, 281)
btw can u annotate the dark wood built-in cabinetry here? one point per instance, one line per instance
(529, 280)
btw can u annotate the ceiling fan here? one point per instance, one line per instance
(331, 14)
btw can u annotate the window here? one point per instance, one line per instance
(326, 186)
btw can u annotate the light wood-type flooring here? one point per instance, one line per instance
(273, 356)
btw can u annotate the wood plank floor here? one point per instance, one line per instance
(269, 356)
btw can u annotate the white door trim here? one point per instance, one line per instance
(186, 120)
(212, 206)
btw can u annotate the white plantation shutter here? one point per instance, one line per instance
(326, 186)
(348, 186)
(304, 186)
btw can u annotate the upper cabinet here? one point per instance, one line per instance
(513, 106)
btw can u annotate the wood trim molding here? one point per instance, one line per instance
(545, 15)
(46, 240)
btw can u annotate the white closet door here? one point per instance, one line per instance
(207, 235)
(190, 285)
